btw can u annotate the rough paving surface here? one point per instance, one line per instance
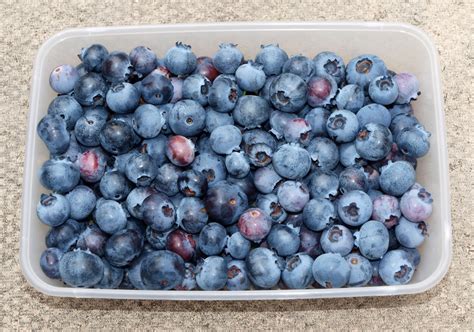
(25, 26)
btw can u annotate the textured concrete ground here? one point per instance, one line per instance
(26, 25)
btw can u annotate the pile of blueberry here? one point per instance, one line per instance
(221, 173)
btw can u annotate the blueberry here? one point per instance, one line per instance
(372, 239)
(116, 67)
(211, 273)
(92, 239)
(237, 276)
(317, 118)
(414, 142)
(402, 122)
(181, 243)
(88, 127)
(310, 242)
(291, 161)
(52, 129)
(258, 136)
(225, 202)
(352, 178)
(238, 246)
(266, 179)
(135, 200)
(63, 78)
(187, 118)
(270, 205)
(264, 267)
(216, 119)
(410, 234)
(90, 90)
(337, 239)
(212, 166)
(212, 239)
(65, 235)
(374, 113)
(92, 163)
(396, 110)
(397, 177)
(323, 184)
(223, 94)
(162, 270)
(93, 57)
(321, 90)
(250, 76)
(114, 185)
(53, 209)
(278, 122)
(192, 183)
(374, 141)
(246, 184)
(156, 89)
(81, 268)
(363, 69)
(158, 212)
(374, 194)
(60, 176)
(265, 90)
(111, 278)
(122, 247)
(67, 108)
(293, 195)
(177, 84)
(254, 224)
(350, 97)
(298, 130)
(329, 63)
(348, 155)
(49, 262)
(251, 111)
(354, 208)
(298, 271)
(288, 93)
(180, 60)
(284, 239)
(140, 169)
(413, 255)
(196, 87)
(123, 98)
(110, 216)
(318, 214)
(331, 270)
(228, 58)
(225, 139)
(82, 201)
(237, 164)
(299, 65)
(342, 126)
(206, 67)
(117, 137)
(324, 153)
(408, 87)
(416, 204)
(143, 60)
(189, 280)
(157, 239)
(156, 148)
(396, 268)
(361, 270)
(386, 209)
(191, 214)
(383, 90)
(272, 57)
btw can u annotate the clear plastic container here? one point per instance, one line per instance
(403, 47)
